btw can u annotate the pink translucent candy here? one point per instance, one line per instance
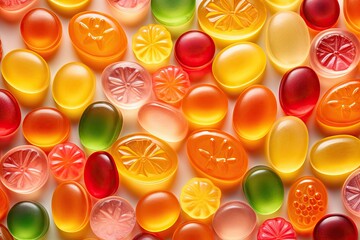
(67, 161)
(24, 169)
(126, 84)
(112, 218)
(276, 228)
(351, 193)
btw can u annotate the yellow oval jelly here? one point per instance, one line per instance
(68, 7)
(17, 67)
(287, 40)
(287, 146)
(73, 89)
(238, 66)
(333, 158)
(97, 38)
(283, 5)
(230, 21)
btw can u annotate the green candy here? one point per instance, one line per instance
(100, 126)
(263, 189)
(28, 221)
(173, 12)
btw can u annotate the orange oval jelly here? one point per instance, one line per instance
(97, 38)
(307, 203)
(193, 230)
(218, 156)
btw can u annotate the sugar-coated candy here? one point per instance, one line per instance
(218, 156)
(71, 206)
(100, 126)
(350, 193)
(287, 40)
(16, 68)
(281, 5)
(68, 7)
(200, 198)
(101, 177)
(157, 211)
(126, 84)
(4, 206)
(193, 230)
(239, 66)
(334, 227)
(112, 218)
(98, 38)
(276, 228)
(234, 220)
(351, 15)
(41, 31)
(46, 127)
(129, 12)
(10, 115)
(263, 189)
(320, 14)
(5, 234)
(24, 169)
(28, 221)
(73, 89)
(146, 236)
(307, 203)
(67, 162)
(13, 10)
(145, 163)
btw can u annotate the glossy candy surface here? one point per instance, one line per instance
(10, 114)
(200, 198)
(70, 206)
(299, 92)
(73, 89)
(307, 203)
(13, 10)
(24, 169)
(5, 234)
(320, 14)
(126, 84)
(263, 189)
(16, 67)
(68, 7)
(28, 221)
(1, 50)
(350, 193)
(112, 218)
(352, 16)
(282, 5)
(100, 126)
(193, 230)
(287, 40)
(129, 12)
(145, 236)
(276, 228)
(157, 211)
(334, 227)
(101, 177)
(4, 206)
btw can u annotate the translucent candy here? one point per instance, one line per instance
(68, 7)
(14, 10)
(334, 227)
(320, 14)
(4, 206)
(276, 228)
(283, 5)
(5, 234)
(350, 193)
(145, 236)
(10, 115)
(129, 12)
(352, 15)
(193, 230)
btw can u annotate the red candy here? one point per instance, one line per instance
(335, 227)
(146, 236)
(10, 115)
(276, 228)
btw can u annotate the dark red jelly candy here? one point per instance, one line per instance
(10, 115)
(146, 236)
(335, 227)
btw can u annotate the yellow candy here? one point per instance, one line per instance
(73, 89)
(26, 75)
(282, 5)
(68, 7)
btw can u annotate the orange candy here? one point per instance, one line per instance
(193, 230)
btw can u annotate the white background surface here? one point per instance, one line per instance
(11, 38)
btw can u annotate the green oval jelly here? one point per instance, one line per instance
(100, 126)
(173, 12)
(263, 189)
(28, 221)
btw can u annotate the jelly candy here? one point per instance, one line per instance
(100, 175)
(100, 126)
(126, 84)
(337, 111)
(73, 89)
(254, 113)
(263, 189)
(299, 92)
(170, 84)
(5, 234)
(145, 236)
(281, 5)
(276, 228)
(307, 203)
(287, 40)
(68, 7)
(70, 206)
(145, 162)
(335, 53)
(230, 21)
(13, 10)
(288, 159)
(98, 38)
(157, 211)
(239, 66)
(200, 198)
(10, 115)
(176, 127)
(326, 153)
(4, 206)
(234, 220)
(16, 68)
(152, 46)
(350, 193)
(1, 50)
(351, 15)
(320, 14)
(205, 105)
(129, 12)
(24, 169)
(112, 218)
(193, 230)
(67, 162)
(28, 221)
(41, 31)
(218, 156)
(46, 127)
(334, 227)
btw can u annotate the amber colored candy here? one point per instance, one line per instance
(193, 230)
(4, 205)
(68, 7)
(282, 5)
(352, 15)
(5, 234)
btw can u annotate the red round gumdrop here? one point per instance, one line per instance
(10, 115)
(335, 227)
(276, 228)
